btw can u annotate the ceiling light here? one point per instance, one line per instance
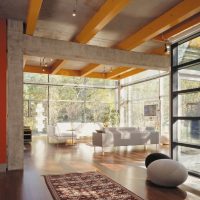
(74, 13)
(75, 9)
(43, 64)
(167, 48)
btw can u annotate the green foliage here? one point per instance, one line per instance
(110, 117)
(67, 103)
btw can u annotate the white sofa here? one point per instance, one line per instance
(124, 136)
(56, 134)
(66, 130)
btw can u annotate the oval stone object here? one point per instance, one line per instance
(153, 157)
(167, 173)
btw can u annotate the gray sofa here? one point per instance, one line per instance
(124, 136)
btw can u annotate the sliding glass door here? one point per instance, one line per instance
(185, 109)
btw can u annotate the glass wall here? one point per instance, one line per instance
(186, 103)
(51, 99)
(145, 101)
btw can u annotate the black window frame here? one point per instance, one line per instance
(175, 67)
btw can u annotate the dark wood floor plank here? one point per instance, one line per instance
(124, 165)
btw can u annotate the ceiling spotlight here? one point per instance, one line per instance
(167, 48)
(74, 13)
(75, 9)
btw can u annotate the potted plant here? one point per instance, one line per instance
(110, 118)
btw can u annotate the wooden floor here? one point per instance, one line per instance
(124, 165)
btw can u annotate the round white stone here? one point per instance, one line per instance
(166, 172)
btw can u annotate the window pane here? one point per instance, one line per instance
(100, 95)
(189, 51)
(187, 131)
(65, 111)
(100, 82)
(81, 104)
(142, 75)
(189, 157)
(35, 92)
(188, 105)
(66, 93)
(164, 109)
(35, 109)
(37, 117)
(55, 79)
(189, 77)
(58, 79)
(145, 91)
(35, 78)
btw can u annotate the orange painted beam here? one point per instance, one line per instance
(177, 14)
(68, 72)
(3, 71)
(56, 66)
(187, 24)
(104, 15)
(118, 71)
(33, 14)
(125, 70)
(89, 69)
(63, 72)
(170, 18)
(96, 75)
(36, 69)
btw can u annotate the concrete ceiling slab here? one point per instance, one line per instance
(75, 65)
(105, 68)
(56, 20)
(138, 14)
(14, 9)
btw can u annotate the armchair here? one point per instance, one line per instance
(58, 135)
(102, 140)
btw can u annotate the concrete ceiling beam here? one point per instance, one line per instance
(58, 49)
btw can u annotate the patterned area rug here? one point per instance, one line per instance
(88, 185)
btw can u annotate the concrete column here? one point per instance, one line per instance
(15, 142)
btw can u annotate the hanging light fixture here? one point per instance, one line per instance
(167, 44)
(167, 48)
(43, 64)
(75, 9)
